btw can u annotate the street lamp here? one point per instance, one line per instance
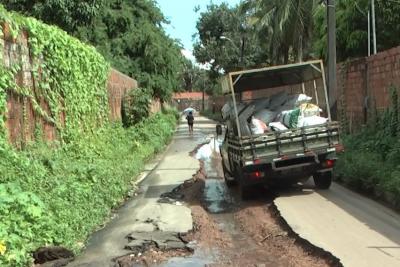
(331, 47)
(373, 24)
(370, 16)
(233, 43)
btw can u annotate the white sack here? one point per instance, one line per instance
(311, 121)
(277, 126)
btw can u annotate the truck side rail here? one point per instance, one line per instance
(301, 141)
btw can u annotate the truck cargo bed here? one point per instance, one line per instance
(294, 142)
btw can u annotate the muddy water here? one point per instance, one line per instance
(252, 236)
(200, 258)
(221, 203)
(216, 196)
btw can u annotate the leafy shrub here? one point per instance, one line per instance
(21, 216)
(136, 106)
(371, 162)
(68, 74)
(167, 109)
(59, 195)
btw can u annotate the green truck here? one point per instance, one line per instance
(285, 156)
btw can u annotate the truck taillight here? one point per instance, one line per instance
(255, 175)
(329, 163)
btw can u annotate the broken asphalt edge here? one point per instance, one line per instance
(314, 250)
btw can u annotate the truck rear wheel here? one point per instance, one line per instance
(246, 192)
(323, 180)
(229, 180)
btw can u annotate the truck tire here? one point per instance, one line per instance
(246, 192)
(229, 181)
(323, 180)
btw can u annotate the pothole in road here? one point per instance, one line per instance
(151, 248)
(230, 232)
(250, 233)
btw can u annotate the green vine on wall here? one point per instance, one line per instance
(69, 75)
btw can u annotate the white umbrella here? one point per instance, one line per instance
(187, 110)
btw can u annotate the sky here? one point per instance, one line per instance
(183, 19)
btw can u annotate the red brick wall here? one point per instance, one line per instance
(118, 84)
(21, 120)
(363, 86)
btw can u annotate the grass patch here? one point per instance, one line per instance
(371, 162)
(58, 195)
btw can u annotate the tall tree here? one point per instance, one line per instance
(225, 41)
(67, 14)
(285, 25)
(352, 25)
(128, 33)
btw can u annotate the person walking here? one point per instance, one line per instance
(190, 120)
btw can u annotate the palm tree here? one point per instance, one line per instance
(285, 25)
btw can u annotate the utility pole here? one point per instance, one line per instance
(373, 24)
(331, 47)
(202, 102)
(369, 32)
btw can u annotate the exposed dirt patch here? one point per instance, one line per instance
(267, 228)
(151, 257)
(206, 231)
(252, 233)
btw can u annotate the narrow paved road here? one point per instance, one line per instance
(357, 230)
(143, 213)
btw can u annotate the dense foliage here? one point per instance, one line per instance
(195, 78)
(371, 160)
(72, 77)
(225, 41)
(135, 106)
(352, 26)
(281, 31)
(69, 15)
(57, 194)
(285, 26)
(60, 195)
(128, 34)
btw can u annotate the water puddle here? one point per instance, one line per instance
(217, 198)
(200, 258)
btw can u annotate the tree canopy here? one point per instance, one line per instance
(282, 31)
(128, 33)
(225, 40)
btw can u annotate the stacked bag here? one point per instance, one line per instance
(280, 112)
